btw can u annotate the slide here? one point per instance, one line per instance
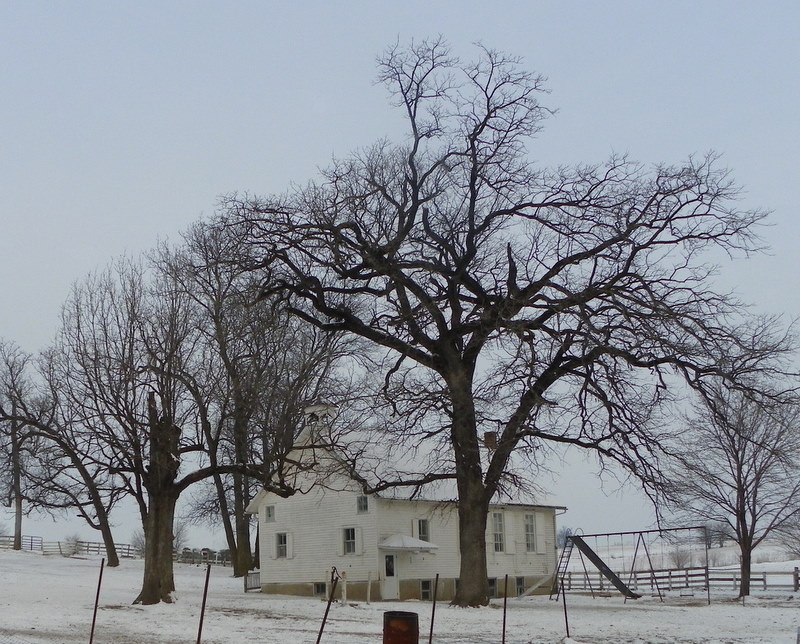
(592, 556)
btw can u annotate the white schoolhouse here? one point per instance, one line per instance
(394, 546)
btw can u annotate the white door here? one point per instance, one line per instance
(391, 582)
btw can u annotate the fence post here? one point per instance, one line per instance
(796, 578)
(97, 600)
(334, 581)
(433, 606)
(505, 606)
(203, 608)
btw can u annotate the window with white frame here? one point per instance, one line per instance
(423, 530)
(281, 545)
(269, 513)
(425, 590)
(498, 531)
(362, 504)
(530, 532)
(349, 541)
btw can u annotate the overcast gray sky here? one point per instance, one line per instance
(121, 123)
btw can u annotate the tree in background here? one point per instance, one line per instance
(717, 534)
(540, 307)
(163, 376)
(128, 337)
(738, 468)
(259, 368)
(53, 455)
(65, 473)
(180, 539)
(143, 404)
(562, 535)
(17, 442)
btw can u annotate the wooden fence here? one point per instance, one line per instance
(252, 580)
(683, 579)
(28, 542)
(68, 548)
(71, 547)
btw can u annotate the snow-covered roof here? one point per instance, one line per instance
(404, 542)
(355, 459)
(493, 504)
(252, 507)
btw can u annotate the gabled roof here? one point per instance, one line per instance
(364, 463)
(252, 507)
(493, 504)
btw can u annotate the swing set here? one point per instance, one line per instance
(678, 569)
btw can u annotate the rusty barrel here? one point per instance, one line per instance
(400, 627)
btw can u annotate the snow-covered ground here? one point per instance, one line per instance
(49, 600)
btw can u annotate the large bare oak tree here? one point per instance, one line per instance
(544, 305)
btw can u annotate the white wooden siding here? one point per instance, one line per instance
(315, 522)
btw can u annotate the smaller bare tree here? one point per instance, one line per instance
(739, 469)
(18, 443)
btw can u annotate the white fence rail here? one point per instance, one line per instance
(682, 579)
(67, 548)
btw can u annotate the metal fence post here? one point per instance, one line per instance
(203, 608)
(97, 599)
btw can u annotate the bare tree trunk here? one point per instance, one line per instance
(158, 583)
(473, 499)
(16, 466)
(243, 556)
(101, 521)
(473, 587)
(745, 568)
(236, 528)
(17, 522)
(112, 558)
(227, 526)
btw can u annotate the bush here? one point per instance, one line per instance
(137, 542)
(681, 557)
(70, 546)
